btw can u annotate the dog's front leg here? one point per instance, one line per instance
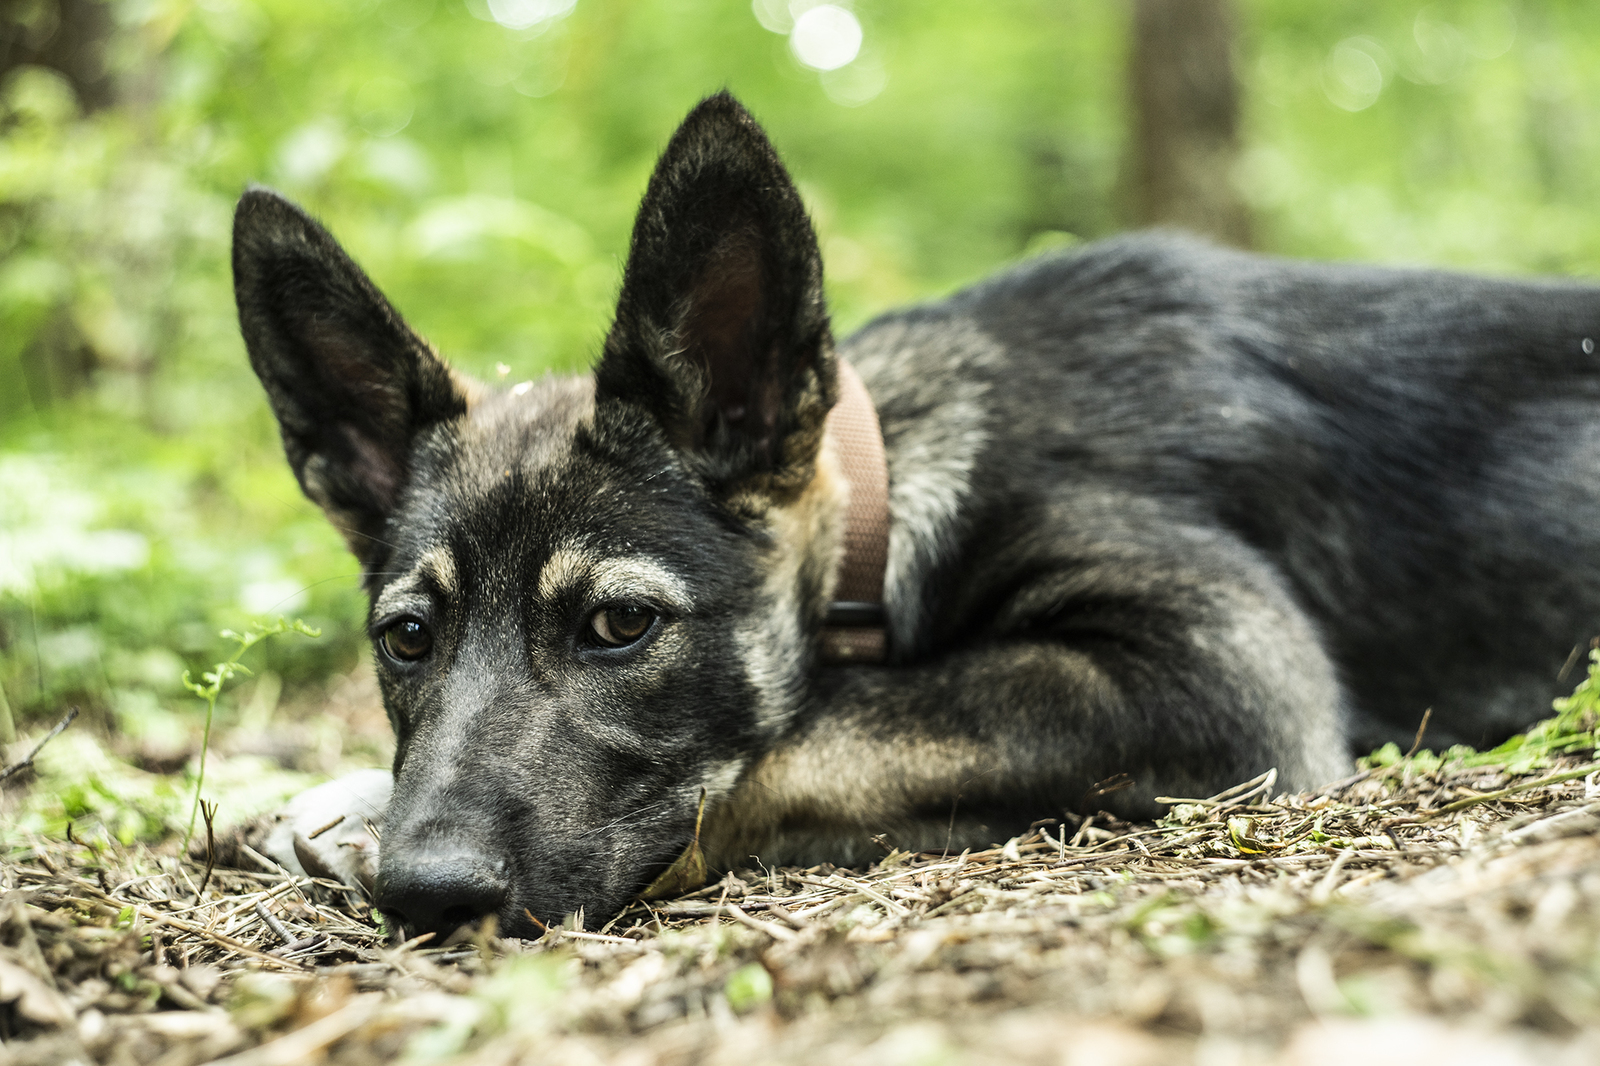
(971, 747)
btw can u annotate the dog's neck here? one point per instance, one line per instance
(854, 631)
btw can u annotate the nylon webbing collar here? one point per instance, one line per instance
(855, 628)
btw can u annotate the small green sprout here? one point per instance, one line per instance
(209, 687)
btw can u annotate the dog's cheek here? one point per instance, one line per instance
(392, 702)
(724, 702)
(405, 702)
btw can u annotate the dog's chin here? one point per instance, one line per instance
(534, 917)
(531, 918)
(518, 921)
(529, 915)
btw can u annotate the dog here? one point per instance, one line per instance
(1154, 509)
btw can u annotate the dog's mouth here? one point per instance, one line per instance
(479, 930)
(459, 925)
(464, 898)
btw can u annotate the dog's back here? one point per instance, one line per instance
(1416, 453)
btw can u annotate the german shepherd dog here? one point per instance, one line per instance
(1156, 509)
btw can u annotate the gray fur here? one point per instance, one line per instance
(1158, 509)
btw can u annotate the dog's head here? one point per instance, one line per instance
(591, 598)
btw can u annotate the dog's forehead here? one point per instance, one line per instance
(528, 430)
(526, 480)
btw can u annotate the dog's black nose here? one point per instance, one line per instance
(437, 893)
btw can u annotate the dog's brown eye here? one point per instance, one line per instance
(407, 640)
(618, 627)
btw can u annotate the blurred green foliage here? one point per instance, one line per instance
(1572, 730)
(486, 177)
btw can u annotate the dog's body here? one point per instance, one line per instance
(1156, 509)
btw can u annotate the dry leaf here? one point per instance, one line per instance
(688, 870)
(35, 1000)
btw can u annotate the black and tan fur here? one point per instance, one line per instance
(1157, 509)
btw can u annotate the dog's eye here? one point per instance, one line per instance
(407, 640)
(617, 627)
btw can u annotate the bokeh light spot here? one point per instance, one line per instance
(825, 37)
(529, 14)
(1441, 49)
(1352, 76)
(855, 84)
(383, 106)
(773, 15)
(1491, 33)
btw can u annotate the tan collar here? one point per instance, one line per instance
(854, 631)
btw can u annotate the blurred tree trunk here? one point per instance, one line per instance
(1184, 101)
(68, 36)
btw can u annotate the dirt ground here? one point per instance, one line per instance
(1426, 910)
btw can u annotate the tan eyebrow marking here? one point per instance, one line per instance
(441, 566)
(397, 592)
(436, 564)
(613, 577)
(563, 568)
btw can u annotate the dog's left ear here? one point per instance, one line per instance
(721, 331)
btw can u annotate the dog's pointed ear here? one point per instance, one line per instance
(351, 384)
(721, 331)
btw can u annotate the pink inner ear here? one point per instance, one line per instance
(374, 468)
(374, 415)
(722, 332)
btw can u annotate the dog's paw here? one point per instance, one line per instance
(327, 831)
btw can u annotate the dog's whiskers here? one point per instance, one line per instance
(631, 815)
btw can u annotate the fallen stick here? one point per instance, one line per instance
(1554, 824)
(779, 911)
(272, 923)
(857, 887)
(260, 897)
(1498, 794)
(17, 768)
(772, 929)
(149, 915)
(959, 897)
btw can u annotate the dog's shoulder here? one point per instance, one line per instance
(1150, 402)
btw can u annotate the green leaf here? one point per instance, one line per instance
(748, 987)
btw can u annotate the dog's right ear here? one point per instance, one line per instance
(351, 384)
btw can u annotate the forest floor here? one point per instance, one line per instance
(1424, 910)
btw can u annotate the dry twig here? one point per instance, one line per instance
(16, 768)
